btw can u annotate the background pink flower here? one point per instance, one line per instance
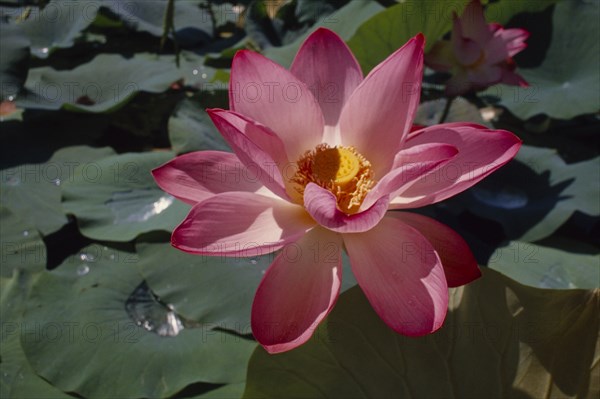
(478, 54)
(316, 171)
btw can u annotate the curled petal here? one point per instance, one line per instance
(410, 165)
(481, 151)
(329, 69)
(460, 266)
(197, 176)
(240, 224)
(298, 290)
(401, 276)
(271, 95)
(321, 204)
(244, 136)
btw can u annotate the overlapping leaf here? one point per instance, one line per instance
(502, 11)
(56, 25)
(14, 62)
(18, 379)
(430, 112)
(344, 22)
(387, 31)
(33, 192)
(500, 339)
(545, 267)
(191, 129)
(103, 84)
(21, 246)
(534, 195)
(191, 23)
(567, 83)
(116, 198)
(102, 334)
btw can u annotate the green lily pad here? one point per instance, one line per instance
(149, 16)
(534, 195)
(502, 11)
(196, 74)
(56, 25)
(191, 129)
(430, 112)
(101, 85)
(268, 24)
(390, 29)
(116, 198)
(344, 22)
(13, 295)
(567, 82)
(545, 267)
(104, 334)
(21, 246)
(14, 62)
(500, 339)
(209, 289)
(33, 192)
(18, 380)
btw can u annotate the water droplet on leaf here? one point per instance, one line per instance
(82, 270)
(138, 205)
(87, 257)
(150, 313)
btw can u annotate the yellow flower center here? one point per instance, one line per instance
(339, 165)
(341, 170)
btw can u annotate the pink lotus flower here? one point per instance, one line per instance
(479, 55)
(320, 156)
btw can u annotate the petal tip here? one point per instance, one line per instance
(324, 31)
(420, 39)
(156, 171)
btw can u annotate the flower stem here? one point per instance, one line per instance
(446, 109)
(169, 27)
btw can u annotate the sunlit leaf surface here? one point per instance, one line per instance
(501, 339)
(387, 31)
(116, 199)
(544, 267)
(98, 322)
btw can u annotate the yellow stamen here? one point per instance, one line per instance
(341, 170)
(337, 164)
